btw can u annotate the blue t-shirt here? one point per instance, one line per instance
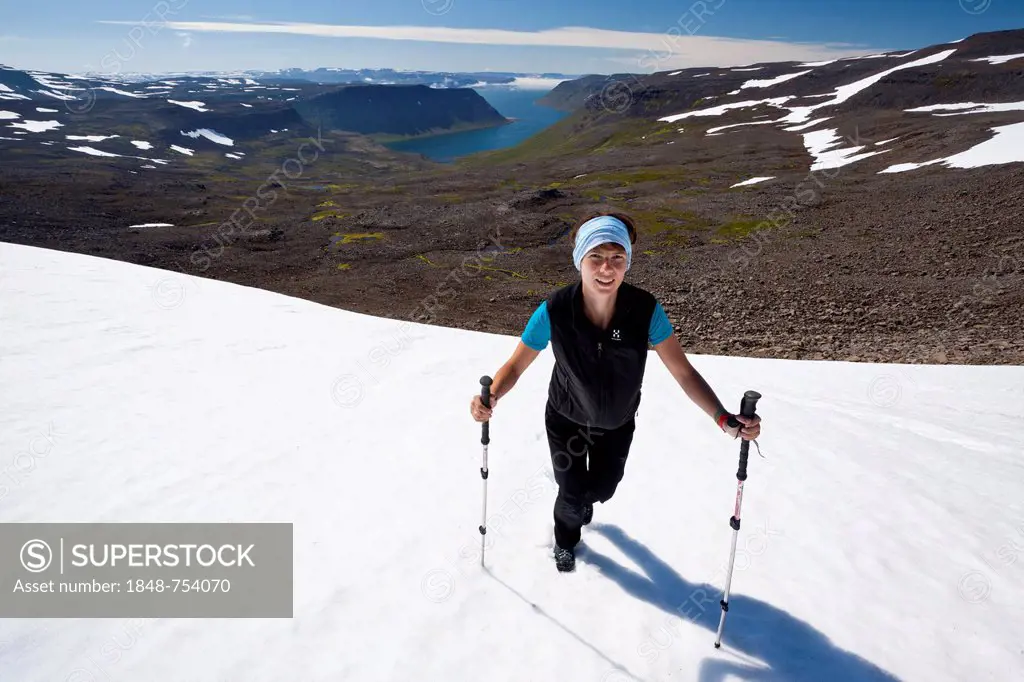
(538, 330)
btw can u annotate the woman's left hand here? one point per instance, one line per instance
(749, 429)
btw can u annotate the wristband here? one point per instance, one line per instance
(722, 418)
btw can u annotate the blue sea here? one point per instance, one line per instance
(530, 117)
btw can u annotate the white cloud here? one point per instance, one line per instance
(186, 39)
(653, 51)
(529, 83)
(231, 17)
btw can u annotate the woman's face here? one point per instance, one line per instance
(603, 268)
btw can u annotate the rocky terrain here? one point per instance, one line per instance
(778, 211)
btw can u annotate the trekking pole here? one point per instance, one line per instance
(485, 438)
(747, 407)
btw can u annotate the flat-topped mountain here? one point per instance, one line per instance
(398, 110)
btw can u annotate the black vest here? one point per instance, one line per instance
(598, 373)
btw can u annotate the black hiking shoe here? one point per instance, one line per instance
(565, 559)
(588, 513)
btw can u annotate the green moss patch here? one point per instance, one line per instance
(739, 229)
(353, 237)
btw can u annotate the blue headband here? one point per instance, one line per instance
(601, 230)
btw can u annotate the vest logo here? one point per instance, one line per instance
(616, 335)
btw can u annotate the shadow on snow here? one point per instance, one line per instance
(791, 648)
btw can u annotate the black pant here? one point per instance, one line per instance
(571, 445)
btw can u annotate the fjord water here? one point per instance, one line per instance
(530, 118)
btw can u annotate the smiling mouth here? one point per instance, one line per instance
(605, 282)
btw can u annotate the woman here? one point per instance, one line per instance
(599, 328)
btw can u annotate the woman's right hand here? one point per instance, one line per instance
(480, 412)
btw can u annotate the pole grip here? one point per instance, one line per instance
(748, 406)
(749, 403)
(485, 398)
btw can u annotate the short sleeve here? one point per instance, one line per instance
(661, 327)
(538, 330)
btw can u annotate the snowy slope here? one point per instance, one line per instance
(876, 545)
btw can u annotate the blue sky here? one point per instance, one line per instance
(566, 36)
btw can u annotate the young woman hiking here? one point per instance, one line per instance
(599, 328)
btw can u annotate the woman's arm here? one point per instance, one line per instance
(671, 353)
(692, 383)
(503, 381)
(509, 374)
(538, 335)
